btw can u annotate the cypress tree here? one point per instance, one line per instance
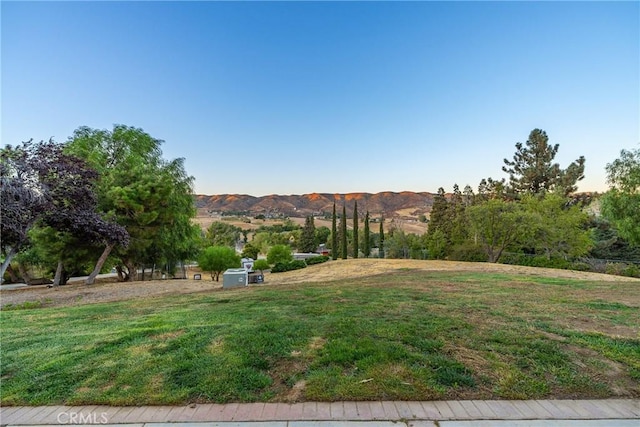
(381, 245)
(355, 231)
(367, 237)
(334, 235)
(343, 229)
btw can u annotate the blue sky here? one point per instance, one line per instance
(301, 97)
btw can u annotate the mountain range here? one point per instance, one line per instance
(405, 203)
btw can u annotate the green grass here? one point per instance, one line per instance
(411, 335)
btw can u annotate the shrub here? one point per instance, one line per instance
(279, 254)
(468, 252)
(288, 266)
(317, 260)
(261, 264)
(580, 266)
(632, 270)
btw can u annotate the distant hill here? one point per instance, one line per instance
(406, 203)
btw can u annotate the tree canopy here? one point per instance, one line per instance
(621, 204)
(532, 169)
(42, 184)
(148, 195)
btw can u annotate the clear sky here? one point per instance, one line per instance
(301, 97)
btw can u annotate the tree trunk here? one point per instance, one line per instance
(24, 273)
(133, 271)
(103, 258)
(7, 261)
(57, 278)
(12, 274)
(121, 275)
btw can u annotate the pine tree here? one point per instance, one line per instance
(532, 169)
(355, 231)
(343, 232)
(308, 236)
(367, 237)
(439, 217)
(334, 235)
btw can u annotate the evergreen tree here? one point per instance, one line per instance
(343, 232)
(367, 237)
(381, 239)
(308, 236)
(334, 235)
(439, 218)
(532, 169)
(457, 224)
(355, 231)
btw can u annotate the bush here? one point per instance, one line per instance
(317, 260)
(468, 252)
(632, 270)
(261, 264)
(288, 266)
(279, 254)
(622, 269)
(580, 266)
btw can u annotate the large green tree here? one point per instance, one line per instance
(44, 185)
(532, 169)
(557, 230)
(499, 224)
(621, 204)
(217, 259)
(308, 236)
(439, 218)
(148, 195)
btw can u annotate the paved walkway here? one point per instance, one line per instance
(469, 413)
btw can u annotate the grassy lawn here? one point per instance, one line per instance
(410, 336)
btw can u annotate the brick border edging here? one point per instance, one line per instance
(327, 411)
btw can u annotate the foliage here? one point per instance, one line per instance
(532, 170)
(308, 237)
(557, 229)
(343, 233)
(317, 260)
(149, 196)
(436, 245)
(223, 234)
(607, 243)
(334, 234)
(356, 246)
(366, 250)
(467, 251)
(217, 259)
(439, 217)
(261, 264)
(621, 204)
(499, 225)
(42, 183)
(381, 239)
(281, 267)
(279, 254)
(250, 251)
(322, 234)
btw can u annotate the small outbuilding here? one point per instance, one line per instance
(235, 278)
